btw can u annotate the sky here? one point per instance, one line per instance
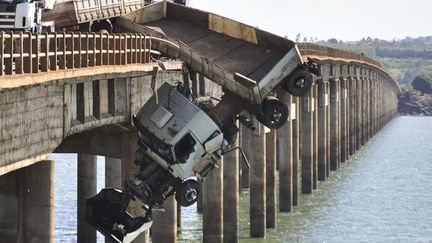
(346, 20)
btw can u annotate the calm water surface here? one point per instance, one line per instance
(382, 194)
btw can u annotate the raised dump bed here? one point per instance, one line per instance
(242, 59)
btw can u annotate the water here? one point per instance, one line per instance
(382, 194)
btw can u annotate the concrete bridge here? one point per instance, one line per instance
(76, 93)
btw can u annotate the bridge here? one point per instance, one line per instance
(76, 92)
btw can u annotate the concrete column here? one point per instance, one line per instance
(328, 128)
(352, 114)
(213, 206)
(86, 189)
(307, 144)
(113, 172)
(314, 89)
(295, 120)
(285, 158)
(128, 169)
(365, 110)
(323, 101)
(334, 125)
(359, 116)
(258, 183)
(35, 198)
(245, 144)
(344, 121)
(164, 228)
(231, 196)
(270, 152)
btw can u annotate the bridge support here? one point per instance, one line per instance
(295, 119)
(113, 172)
(164, 228)
(322, 130)
(285, 158)
(334, 125)
(307, 144)
(258, 183)
(213, 206)
(27, 204)
(353, 113)
(231, 196)
(86, 189)
(246, 146)
(314, 91)
(128, 169)
(271, 154)
(344, 120)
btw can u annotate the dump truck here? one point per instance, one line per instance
(182, 138)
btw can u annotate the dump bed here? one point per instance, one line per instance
(242, 59)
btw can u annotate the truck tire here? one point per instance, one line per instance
(298, 83)
(187, 192)
(274, 113)
(104, 26)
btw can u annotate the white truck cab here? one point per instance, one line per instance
(23, 15)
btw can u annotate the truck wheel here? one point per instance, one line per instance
(298, 83)
(104, 26)
(187, 193)
(275, 113)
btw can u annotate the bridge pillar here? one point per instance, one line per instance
(258, 183)
(295, 115)
(322, 130)
(285, 158)
(334, 130)
(314, 89)
(213, 206)
(352, 115)
(359, 91)
(328, 127)
(365, 110)
(113, 172)
(307, 143)
(246, 146)
(35, 198)
(164, 228)
(271, 179)
(86, 189)
(343, 120)
(231, 196)
(128, 169)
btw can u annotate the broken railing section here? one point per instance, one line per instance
(29, 53)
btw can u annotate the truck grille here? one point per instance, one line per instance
(7, 16)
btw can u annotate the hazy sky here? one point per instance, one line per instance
(324, 19)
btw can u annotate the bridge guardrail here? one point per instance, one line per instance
(29, 53)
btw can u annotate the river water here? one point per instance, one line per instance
(382, 194)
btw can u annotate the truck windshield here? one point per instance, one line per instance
(155, 144)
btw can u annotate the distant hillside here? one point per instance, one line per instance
(416, 97)
(405, 59)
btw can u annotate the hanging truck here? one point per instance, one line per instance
(182, 138)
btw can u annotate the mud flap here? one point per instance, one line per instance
(107, 213)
